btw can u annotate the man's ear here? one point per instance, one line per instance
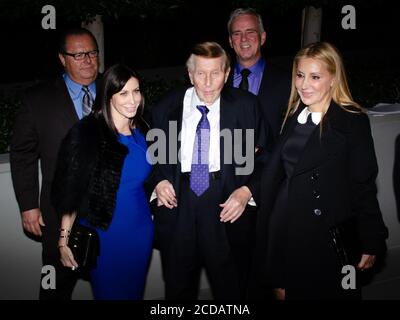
(230, 42)
(263, 37)
(227, 74)
(190, 77)
(62, 59)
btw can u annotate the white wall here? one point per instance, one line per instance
(19, 256)
(385, 129)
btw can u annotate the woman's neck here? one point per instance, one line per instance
(123, 126)
(320, 107)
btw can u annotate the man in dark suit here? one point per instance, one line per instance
(49, 110)
(252, 72)
(204, 215)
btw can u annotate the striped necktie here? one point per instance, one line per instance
(87, 101)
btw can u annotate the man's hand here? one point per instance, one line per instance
(166, 194)
(366, 262)
(32, 220)
(235, 205)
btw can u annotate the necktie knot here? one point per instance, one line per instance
(203, 109)
(244, 84)
(85, 89)
(245, 72)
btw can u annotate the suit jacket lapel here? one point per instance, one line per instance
(265, 84)
(226, 121)
(65, 104)
(175, 116)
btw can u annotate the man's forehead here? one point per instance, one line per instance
(205, 62)
(79, 40)
(244, 21)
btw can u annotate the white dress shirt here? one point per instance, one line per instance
(190, 119)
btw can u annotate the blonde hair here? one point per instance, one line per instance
(340, 92)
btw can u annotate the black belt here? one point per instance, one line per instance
(213, 175)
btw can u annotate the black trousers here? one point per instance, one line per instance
(193, 237)
(65, 278)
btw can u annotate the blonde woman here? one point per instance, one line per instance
(320, 177)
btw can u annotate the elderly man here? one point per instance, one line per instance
(204, 215)
(49, 110)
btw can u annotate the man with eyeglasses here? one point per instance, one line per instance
(49, 110)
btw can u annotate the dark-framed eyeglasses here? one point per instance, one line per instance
(82, 55)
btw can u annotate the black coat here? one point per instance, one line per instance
(333, 181)
(88, 172)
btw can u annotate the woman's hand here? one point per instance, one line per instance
(67, 258)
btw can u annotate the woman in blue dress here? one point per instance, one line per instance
(99, 182)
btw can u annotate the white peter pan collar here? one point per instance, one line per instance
(315, 116)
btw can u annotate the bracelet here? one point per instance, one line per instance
(61, 230)
(61, 245)
(66, 236)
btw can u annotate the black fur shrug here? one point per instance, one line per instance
(88, 172)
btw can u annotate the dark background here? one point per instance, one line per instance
(148, 40)
(157, 34)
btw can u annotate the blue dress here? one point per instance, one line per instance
(126, 246)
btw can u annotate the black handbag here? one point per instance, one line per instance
(346, 242)
(84, 243)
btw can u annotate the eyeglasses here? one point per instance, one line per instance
(82, 55)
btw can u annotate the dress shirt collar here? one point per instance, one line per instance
(256, 68)
(75, 88)
(197, 102)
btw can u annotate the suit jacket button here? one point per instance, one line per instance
(316, 194)
(317, 212)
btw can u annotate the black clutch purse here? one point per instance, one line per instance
(346, 242)
(84, 243)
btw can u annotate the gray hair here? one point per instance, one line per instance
(250, 11)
